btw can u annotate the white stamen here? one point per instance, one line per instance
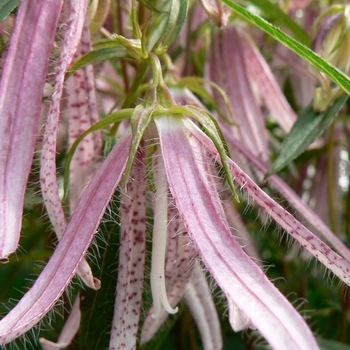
(160, 227)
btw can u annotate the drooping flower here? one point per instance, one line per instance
(165, 163)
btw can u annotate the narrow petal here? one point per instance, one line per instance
(260, 72)
(200, 302)
(238, 319)
(227, 69)
(321, 251)
(82, 114)
(21, 91)
(239, 278)
(69, 330)
(48, 177)
(132, 252)
(303, 209)
(48, 171)
(59, 271)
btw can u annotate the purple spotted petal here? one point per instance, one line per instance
(295, 201)
(321, 251)
(82, 114)
(132, 252)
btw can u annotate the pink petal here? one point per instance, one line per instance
(21, 92)
(82, 114)
(339, 266)
(295, 201)
(200, 302)
(239, 278)
(260, 72)
(132, 253)
(59, 271)
(49, 185)
(48, 171)
(69, 330)
(227, 69)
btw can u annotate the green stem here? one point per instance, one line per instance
(140, 75)
(120, 31)
(330, 176)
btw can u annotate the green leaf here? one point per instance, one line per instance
(281, 18)
(306, 130)
(332, 72)
(181, 18)
(6, 7)
(98, 55)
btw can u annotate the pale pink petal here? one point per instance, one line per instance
(239, 230)
(200, 302)
(82, 114)
(260, 72)
(69, 330)
(132, 253)
(335, 263)
(217, 11)
(61, 268)
(48, 171)
(48, 177)
(239, 278)
(295, 200)
(21, 92)
(227, 69)
(238, 319)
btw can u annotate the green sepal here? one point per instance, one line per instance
(132, 46)
(149, 6)
(149, 164)
(96, 56)
(6, 7)
(193, 84)
(115, 117)
(140, 120)
(309, 126)
(181, 18)
(170, 23)
(212, 129)
(134, 20)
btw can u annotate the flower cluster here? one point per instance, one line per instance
(179, 152)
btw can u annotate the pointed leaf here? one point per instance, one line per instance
(98, 55)
(6, 7)
(335, 74)
(309, 126)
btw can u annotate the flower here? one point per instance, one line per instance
(172, 162)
